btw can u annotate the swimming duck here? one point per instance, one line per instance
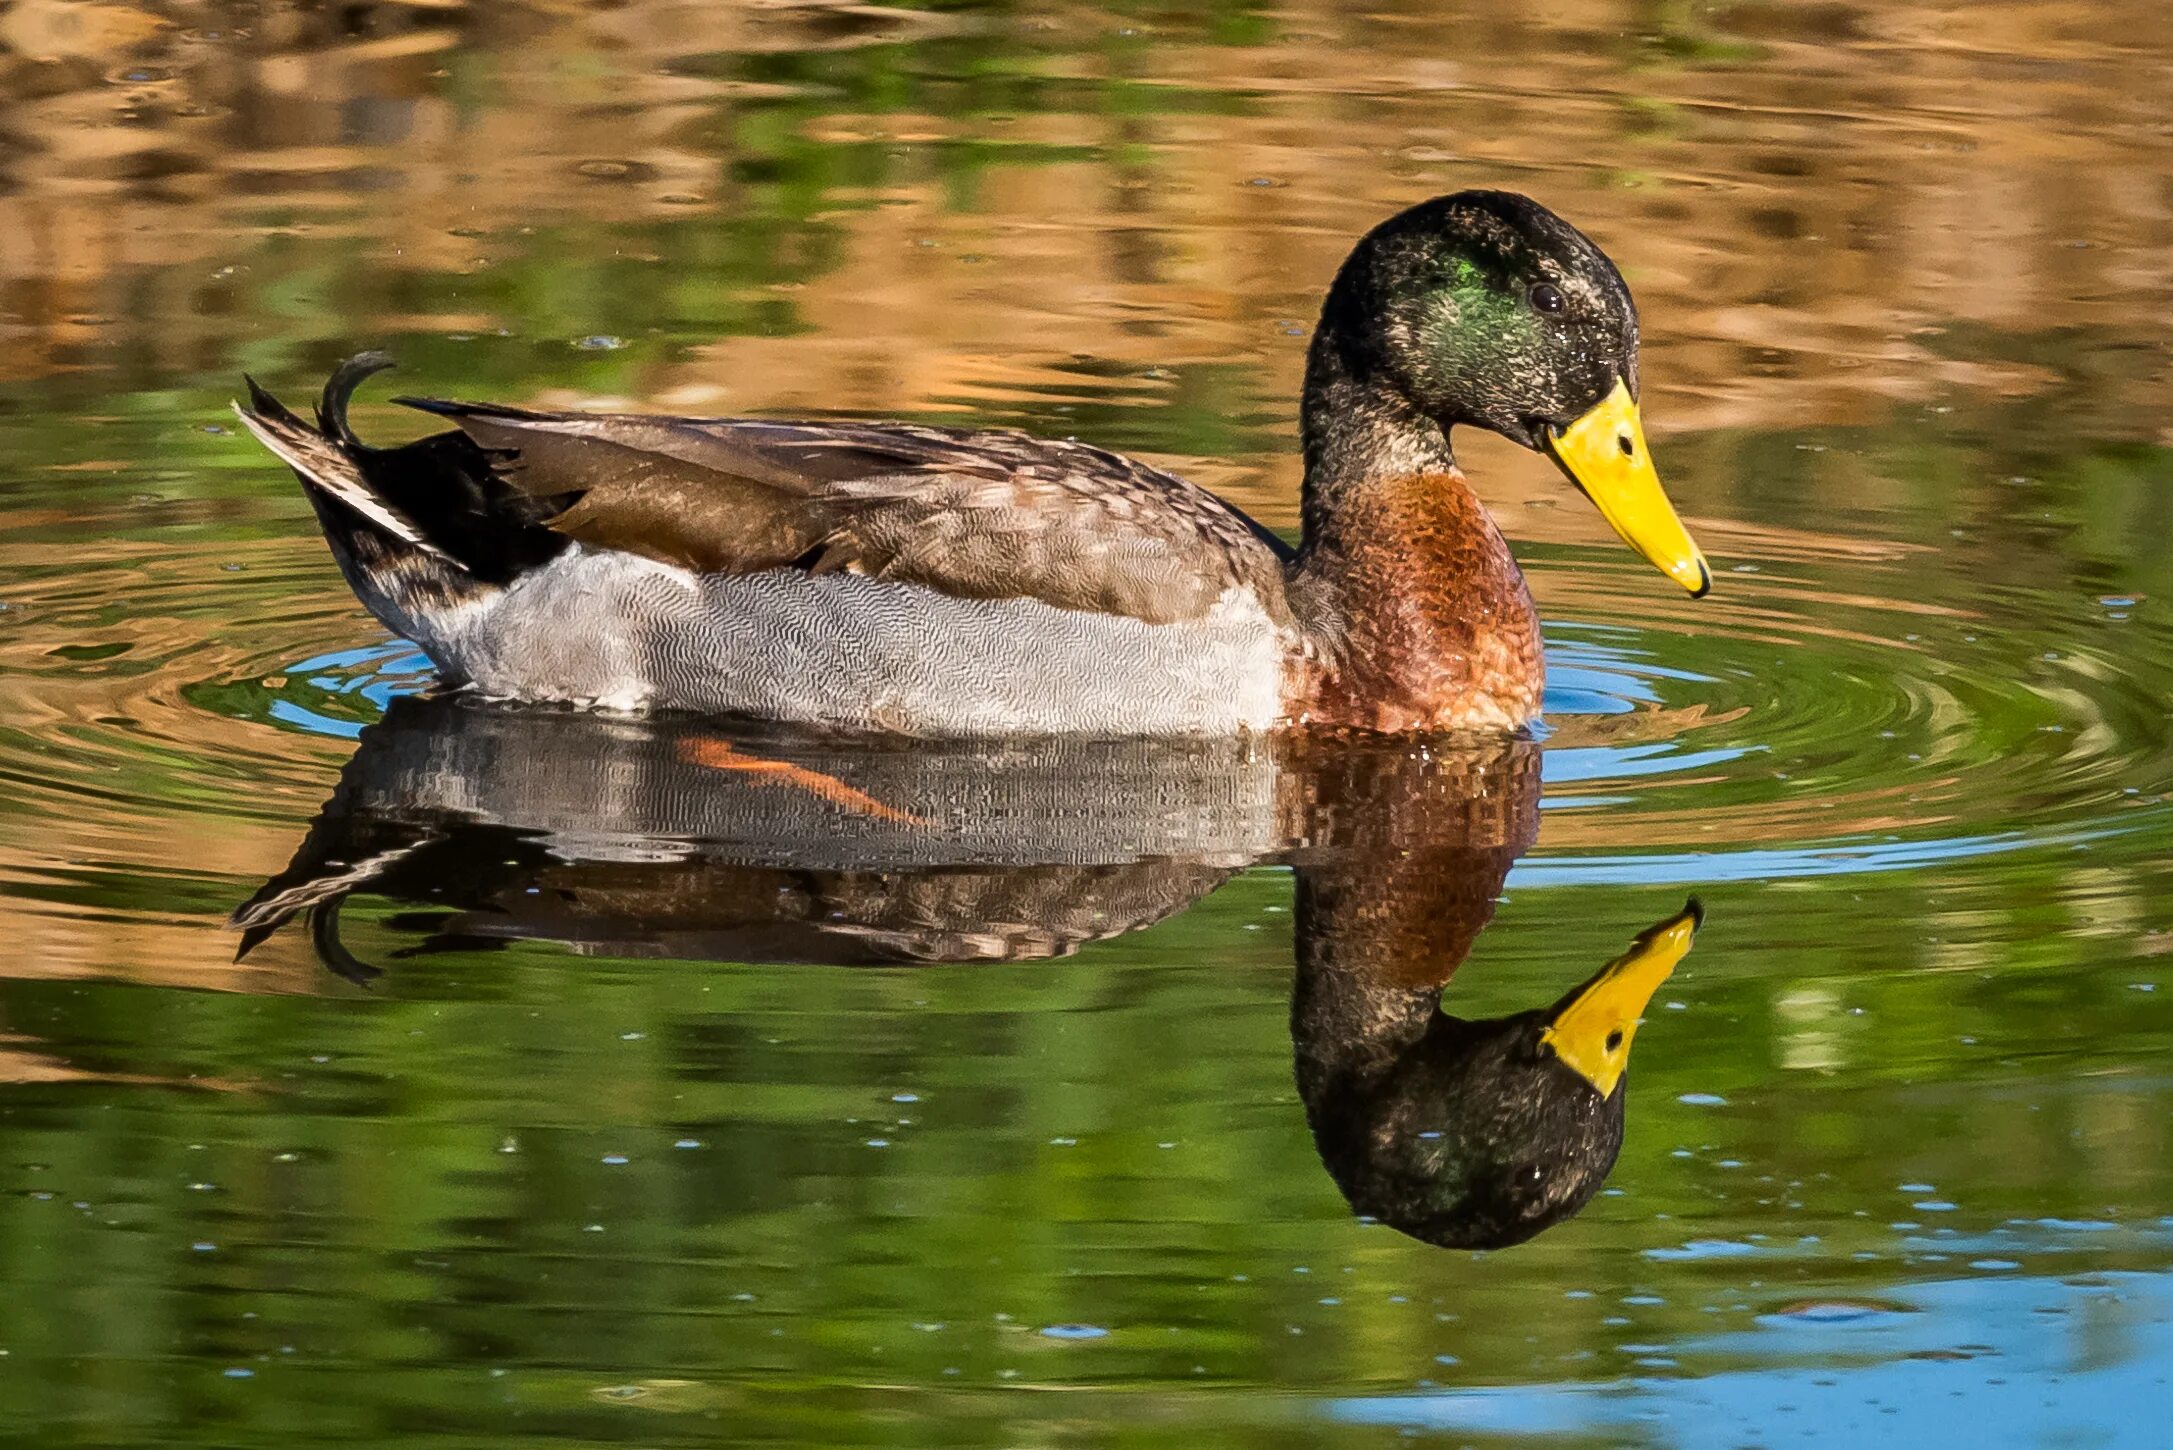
(947, 582)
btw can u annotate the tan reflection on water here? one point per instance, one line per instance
(1803, 196)
(1796, 191)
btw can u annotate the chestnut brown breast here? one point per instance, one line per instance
(1419, 616)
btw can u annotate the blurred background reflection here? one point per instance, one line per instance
(1897, 1160)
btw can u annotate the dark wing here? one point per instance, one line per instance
(986, 515)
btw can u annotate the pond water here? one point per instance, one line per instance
(583, 1084)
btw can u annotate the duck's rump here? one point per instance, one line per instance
(885, 576)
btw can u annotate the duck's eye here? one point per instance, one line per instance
(1547, 298)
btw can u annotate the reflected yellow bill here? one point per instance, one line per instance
(1594, 1026)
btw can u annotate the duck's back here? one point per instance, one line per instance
(888, 576)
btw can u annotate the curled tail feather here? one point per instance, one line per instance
(339, 389)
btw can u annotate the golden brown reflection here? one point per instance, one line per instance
(1804, 199)
(487, 826)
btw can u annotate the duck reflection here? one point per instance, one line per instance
(1467, 1134)
(686, 840)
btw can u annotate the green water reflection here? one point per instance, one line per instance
(675, 1115)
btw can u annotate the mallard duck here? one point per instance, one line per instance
(946, 582)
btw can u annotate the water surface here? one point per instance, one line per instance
(880, 1097)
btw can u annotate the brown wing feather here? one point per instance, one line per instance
(992, 515)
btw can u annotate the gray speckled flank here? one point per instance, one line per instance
(616, 630)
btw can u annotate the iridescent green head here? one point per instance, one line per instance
(1486, 308)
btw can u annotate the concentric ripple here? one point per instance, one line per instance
(143, 680)
(1801, 722)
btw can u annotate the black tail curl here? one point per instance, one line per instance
(440, 495)
(339, 390)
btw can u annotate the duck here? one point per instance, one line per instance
(942, 582)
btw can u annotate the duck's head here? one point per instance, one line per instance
(1483, 1133)
(1483, 307)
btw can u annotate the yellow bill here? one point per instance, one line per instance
(1594, 1026)
(1604, 454)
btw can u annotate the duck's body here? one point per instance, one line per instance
(861, 653)
(944, 582)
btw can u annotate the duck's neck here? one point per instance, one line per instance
(1416, 614)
